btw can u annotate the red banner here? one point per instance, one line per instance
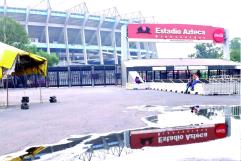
(165, 137)
(176, 32)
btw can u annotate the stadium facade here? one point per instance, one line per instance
(79, 37)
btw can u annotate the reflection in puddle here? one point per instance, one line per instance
(166, 117)
(187, 116)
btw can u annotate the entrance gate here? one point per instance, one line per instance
(170, 33)
(84, 76)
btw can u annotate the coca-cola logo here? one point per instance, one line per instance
(220, 130)
(218, 35)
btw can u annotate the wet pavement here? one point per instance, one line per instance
(85, 110)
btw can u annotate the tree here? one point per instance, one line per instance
(52, 57)
(235, 49)
(12, 33)
(207, 50)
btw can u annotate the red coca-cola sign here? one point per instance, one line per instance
(176, 32)
(176, 136)
(220, 130)
(218, 35)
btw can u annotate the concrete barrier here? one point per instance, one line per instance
(135, 86)
(220, 88)
(168, 87)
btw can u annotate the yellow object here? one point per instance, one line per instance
(31, 153)
(18, 62)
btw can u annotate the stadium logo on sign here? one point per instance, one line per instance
(144, 29)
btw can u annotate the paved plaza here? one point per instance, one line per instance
(83, 110)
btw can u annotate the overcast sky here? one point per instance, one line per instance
(218, 13)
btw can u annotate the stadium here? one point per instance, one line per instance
(79, 37)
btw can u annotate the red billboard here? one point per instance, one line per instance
(175, 32)
(176, 136)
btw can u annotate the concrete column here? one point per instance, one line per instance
(99, 41)
(146, 46)
(47, 31)
(138, 46)
(83, 39)
(4, 26)
(124, 53)
(27, 19)
(113, 39)
(5, 8)
(66, 41)
(153, 50)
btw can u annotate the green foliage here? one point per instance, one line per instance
(207, 50)
(235, 43)
(52, 58)
(235, 49)
(12, 33)
(30, 48)
(235, 55)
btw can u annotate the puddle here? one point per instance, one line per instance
(188, 116)
(87, 143)
(166, 117)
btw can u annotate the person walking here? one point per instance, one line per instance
(189, 84)
(195, 80)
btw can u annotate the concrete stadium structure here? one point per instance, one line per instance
(78, 36)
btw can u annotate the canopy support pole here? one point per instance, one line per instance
(7, 91)
(40, 94)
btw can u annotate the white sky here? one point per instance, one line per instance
(225, 13)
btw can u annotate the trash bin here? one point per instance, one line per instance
(25, 101)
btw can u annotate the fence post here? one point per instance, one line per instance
(7, 92)
(57, 78)
(104, 76)
(69, 76)
(92, 78)
(116, 80)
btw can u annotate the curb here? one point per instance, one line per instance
(175, 91)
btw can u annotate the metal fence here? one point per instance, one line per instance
(70, 76)
(223, 85)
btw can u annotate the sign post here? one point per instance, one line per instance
(124, 54)
(226, 54)
(227, 112)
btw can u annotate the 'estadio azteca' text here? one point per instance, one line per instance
(181, 137)
(179, 32)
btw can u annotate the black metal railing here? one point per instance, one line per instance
(70, 76)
